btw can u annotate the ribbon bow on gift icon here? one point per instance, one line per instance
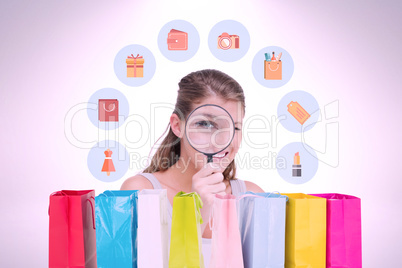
(132, 57)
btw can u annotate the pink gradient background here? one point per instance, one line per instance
(55, 55)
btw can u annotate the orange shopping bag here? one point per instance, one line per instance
(272, 70)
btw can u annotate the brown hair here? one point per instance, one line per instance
(193, 89)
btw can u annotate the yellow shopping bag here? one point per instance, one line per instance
(305, 245)
(186, 241)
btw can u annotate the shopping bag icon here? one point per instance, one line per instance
(177, 40)
(108, 110)
(273, 70)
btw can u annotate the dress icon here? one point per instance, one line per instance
(108, 163)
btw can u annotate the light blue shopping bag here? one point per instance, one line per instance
(116, 229)
(262, 219)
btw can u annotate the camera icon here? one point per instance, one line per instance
(226, 41)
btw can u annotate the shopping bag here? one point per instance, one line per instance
(108, 110)
(72, 238)
(116, 234)
(305, 244)
(226, 249)
(185, 240)
(273, 70)
(262, 218)
(153, 231)
(344, 241)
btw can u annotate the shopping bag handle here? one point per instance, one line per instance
(93, 211)
(111, 110)
(211, 213)
(252, 194)
(277, 67)
(163, 209)
(198, 203)
(92, 207)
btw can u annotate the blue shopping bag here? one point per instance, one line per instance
(116, 229)
(262, 219)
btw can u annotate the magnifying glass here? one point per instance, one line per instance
(209, 129)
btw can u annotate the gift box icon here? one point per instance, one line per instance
(135, 66)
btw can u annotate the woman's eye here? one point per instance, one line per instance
(206, 124)
(236, 128)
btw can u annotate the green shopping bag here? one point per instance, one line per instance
(186, 241)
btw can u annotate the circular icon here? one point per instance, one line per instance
(298, 111)
(134, 65)
(225, 41)
(108, 161)
(272, 67)
(229, 40)
(210, 130)
(296, 164)
(107, 108)
(178, 40)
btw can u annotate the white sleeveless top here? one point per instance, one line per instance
(238, 186)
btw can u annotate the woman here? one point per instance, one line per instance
(177, 166)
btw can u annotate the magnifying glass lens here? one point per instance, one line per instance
(209, 129)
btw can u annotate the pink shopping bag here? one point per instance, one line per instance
(226, 242)
(344, 242)
(72, 237)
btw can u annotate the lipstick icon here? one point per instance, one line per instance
(296, 168)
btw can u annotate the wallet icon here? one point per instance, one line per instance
(177, 40)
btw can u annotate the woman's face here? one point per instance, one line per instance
(202, 133)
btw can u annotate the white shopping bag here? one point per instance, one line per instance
(153, 232)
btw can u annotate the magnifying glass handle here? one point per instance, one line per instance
(209, 158)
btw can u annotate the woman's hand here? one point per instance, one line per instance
(207, 182)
